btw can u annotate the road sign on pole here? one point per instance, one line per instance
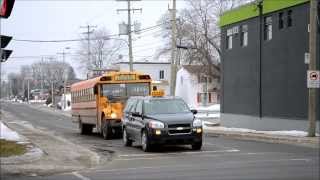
(6, 8)
(313, 80)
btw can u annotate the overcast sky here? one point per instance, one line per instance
(56, 20)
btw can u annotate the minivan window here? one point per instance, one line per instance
(139, 107)
(130, 104)
(165, 106)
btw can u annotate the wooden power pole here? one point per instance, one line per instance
(129, 32)
(312, 107)
(173, 49)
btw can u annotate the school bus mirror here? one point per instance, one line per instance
(95, 90)
(110, 97)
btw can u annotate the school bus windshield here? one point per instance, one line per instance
(125, 90)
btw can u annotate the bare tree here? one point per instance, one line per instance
(199, 32)
(47, 72)
(15, 81)
(104, 51)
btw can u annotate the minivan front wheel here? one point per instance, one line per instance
(146, 146)
(126, 140)
(196, 146)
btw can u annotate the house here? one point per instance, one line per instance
(159, 71)
(196, 87)
(264, 84)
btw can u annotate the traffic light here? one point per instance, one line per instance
(4, 40)
(6, 8)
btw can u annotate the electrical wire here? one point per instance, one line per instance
(147, 29)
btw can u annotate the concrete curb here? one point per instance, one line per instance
(47, 158)
(279, 139)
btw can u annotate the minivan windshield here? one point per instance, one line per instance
(165, 106)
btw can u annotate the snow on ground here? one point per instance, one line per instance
(215, 107)
(7, 134)
(205, 115)
(208, 112)
(294, 133)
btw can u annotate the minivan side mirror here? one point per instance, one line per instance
(194, 111)
(136, 114)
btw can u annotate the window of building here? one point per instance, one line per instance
(267, 28)
(229, 42)
(229, 39)
(244, 36)
(280, 20)
(161, 75)
(289, 18)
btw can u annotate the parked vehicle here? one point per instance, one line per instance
(160, 121)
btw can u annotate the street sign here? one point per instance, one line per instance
(313, 79)
(6, 8)
(5, 55)
(306, 58)
(5, 40)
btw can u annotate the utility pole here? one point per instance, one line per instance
(52, 95)
(41, 79)
(173, 48)
(88, 32)
(129, 29)
(65, 76)
(28, 90)
(312, 107)
(0, 66)
(260, 7)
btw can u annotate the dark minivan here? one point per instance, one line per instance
(160, 121)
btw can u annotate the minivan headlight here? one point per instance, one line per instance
(156, 125)
(197, 123)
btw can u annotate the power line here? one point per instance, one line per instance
(144, 30)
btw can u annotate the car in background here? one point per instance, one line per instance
(154, 121)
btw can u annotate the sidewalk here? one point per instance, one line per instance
(284, 137)
(47, 153)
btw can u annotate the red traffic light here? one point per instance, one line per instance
(6, 8)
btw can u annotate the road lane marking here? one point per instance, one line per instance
(218, 145)
(119, 170)
(130, 157)
(177, 153)
(141, 168)
(80, 176)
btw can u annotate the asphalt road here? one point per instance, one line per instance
(220, 158)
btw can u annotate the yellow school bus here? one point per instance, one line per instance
(99, 102)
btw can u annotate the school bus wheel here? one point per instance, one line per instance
(85, 128)
(106, 130)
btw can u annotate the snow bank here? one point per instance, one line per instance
(204, 115)
(8, 134)
(294, 133)
(288, 133)
(215, 107)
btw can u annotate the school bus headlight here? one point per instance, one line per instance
(113, 115)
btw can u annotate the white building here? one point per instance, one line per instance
(159, 71)
(195, 87)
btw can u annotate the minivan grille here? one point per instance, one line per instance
(176, 129)
(179, 125)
